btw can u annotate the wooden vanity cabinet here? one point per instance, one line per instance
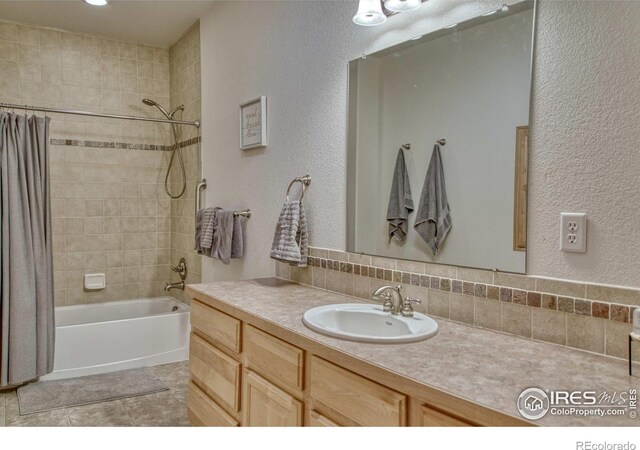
(242, 375)
(266, 405)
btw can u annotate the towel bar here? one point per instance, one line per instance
(245, 212)
(439, 142)
(305, 181)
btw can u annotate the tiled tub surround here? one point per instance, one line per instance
(111, 213)
(580, 315)
(481, 366)
(184, 67)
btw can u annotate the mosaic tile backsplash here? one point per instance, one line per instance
(587, 316)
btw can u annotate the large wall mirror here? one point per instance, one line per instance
(467, 86)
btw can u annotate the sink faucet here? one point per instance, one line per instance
(393, 301)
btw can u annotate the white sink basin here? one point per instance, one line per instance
(368, 323)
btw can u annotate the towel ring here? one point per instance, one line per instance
(305, 181)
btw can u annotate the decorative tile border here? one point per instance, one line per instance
(123, 145)
(544, 300)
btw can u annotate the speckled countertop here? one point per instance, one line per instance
(483, 366)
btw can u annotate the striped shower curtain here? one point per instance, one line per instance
(27, 329)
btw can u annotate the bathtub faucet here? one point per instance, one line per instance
(181, 270)
(176, 285)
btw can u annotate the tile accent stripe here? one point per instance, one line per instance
(600, 309)
(123, 145)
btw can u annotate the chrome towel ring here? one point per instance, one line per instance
(305, 181)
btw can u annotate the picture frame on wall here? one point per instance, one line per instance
(253, 123)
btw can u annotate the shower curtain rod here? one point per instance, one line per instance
(195, 123)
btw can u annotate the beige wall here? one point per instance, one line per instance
(110, 213)
(184, 63)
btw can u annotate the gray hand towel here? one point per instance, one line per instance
(223, 236)
(400, 201)
(207, 224)
(291, 239)
(237, 241)
(198, 235)
(433, 220)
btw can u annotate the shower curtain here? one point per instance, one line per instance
(27, 329)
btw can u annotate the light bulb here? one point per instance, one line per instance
(369, 13)
(96, 2)
(402, 5)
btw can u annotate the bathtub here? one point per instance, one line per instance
(106, 337)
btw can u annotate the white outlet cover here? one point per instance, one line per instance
(573, 232)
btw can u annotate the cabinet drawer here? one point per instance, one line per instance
(266, 405)
(274, 358)
(357, 398)
(216, 373)
(432, 417)
(216, 325)
(318, 420)
(205, 412)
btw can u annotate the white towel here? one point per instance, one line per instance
(291, 239)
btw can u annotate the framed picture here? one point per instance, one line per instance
(253, 123)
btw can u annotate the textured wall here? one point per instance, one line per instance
(583, 139)
(109, 213)
(184, 63)
(295, 53)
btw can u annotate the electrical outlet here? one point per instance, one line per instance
(573, 232)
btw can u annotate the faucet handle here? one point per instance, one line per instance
(407, 306)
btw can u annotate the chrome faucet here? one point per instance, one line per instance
(176, 285)
(393, 301)
(181, 270)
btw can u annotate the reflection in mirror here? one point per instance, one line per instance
(468, 85)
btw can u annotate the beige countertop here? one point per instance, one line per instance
(482, 366)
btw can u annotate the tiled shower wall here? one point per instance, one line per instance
(586, 316)
(110, 213)
(184, 63)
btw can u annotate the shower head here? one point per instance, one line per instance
(149, 102)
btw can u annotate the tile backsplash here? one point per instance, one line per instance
(590, 317)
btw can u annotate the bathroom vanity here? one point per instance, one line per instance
(254, 363)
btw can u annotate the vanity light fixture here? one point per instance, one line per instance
(402, 5)
(372, 12)
(503, 8)
(96, 2)
(369, 13)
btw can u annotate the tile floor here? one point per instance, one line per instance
(162, 409)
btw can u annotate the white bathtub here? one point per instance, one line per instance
(107, 337)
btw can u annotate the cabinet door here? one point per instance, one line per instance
(265, 405)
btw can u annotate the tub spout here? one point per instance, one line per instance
(176, 285)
